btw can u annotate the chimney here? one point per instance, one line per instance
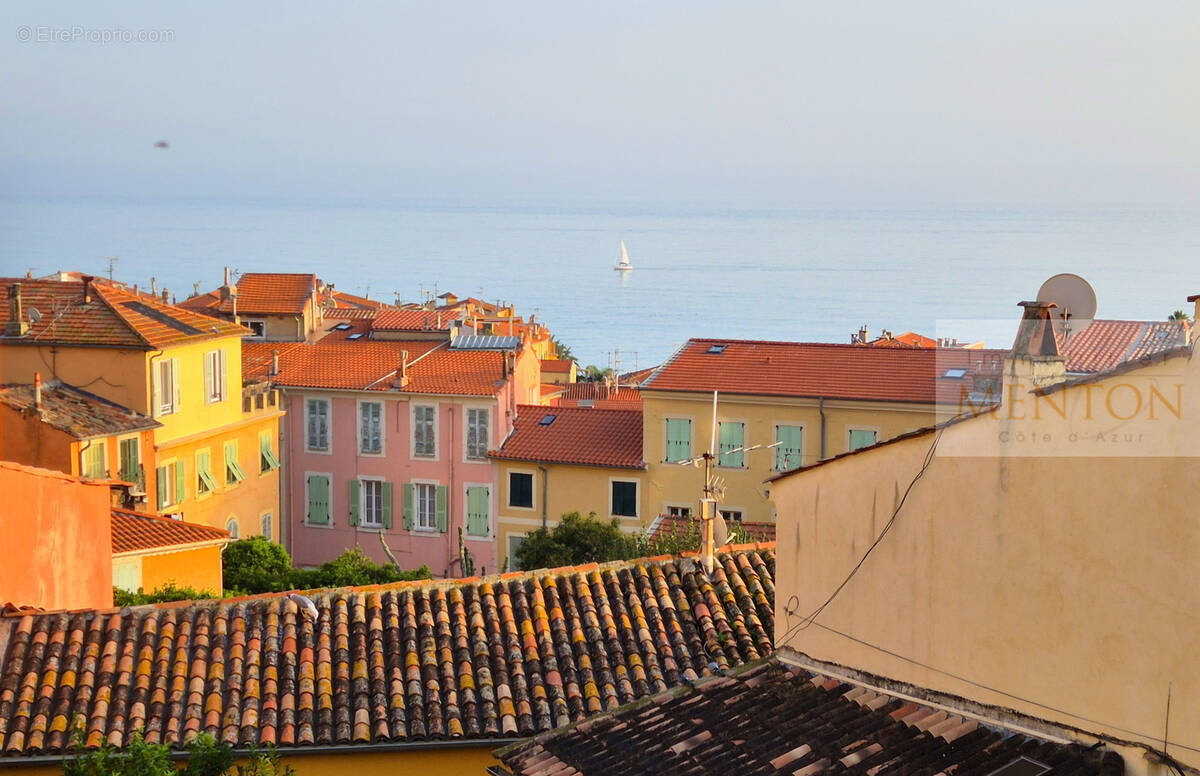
(227, 276)
(401, 382)
(274, 363)
(37, 392)
(153, 286)
(1035, 357)
(166, 298)
(1196, 312)
(16, 326)
(439, 321)
(87, 288)
(862, 335)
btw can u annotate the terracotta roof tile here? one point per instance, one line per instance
(419, 661)
(769, 717)
(132, 531)
(260, 293)
(811, 369)
(81, 414)
(344, 301)
(578, 435)
(1105, 344)
(109, 317)
(600, 395)
(667, 525)
(412, 320)
(556, 365)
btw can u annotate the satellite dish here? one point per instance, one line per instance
(1074, 297)
(35, 315)
(720, 531)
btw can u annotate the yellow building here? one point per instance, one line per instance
(215, 457)
(569, 459)
(275, 306)
(794, 403)
(1040, 557)
(150, 552)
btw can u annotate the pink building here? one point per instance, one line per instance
(386, 441)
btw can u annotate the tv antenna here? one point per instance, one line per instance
(1074, 300)
(112, 263)
(714, 533)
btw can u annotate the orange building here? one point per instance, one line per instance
(56, 536)
(149, 552)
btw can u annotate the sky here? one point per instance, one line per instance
(766, 103)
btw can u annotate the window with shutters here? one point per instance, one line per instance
(267, 460)
(131, 460)
(478, 523)
(477, 434)
(205, 482)
(166, 387)
(316, 435)
(679, 439)
(624, 498)
(425, 431)
(861, 437)
(317, 494)
(171, 486)
(370, 427)
(233, 470)
(95, 461)
(789, 454)
(731, 437)
(520, 490)
(425, 518)
(214, 376)
(371, 504)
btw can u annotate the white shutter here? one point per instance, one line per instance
(156, 389)
(222, 380)
(175, 385)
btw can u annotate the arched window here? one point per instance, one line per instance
(232, 527)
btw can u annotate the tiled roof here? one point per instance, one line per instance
(81, 414)
(132, 531)
(480, 659)
(342, 300)
(908, 339)
(773, 718)
(349, 313)
(557, 365)
(601, 395)
(578, 435)
(113, 317)
(412, 320)
(635, 378)
(1104, 344)
(260, 293)
(811, 369)
(667, 525)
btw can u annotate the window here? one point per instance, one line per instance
(95, 461)
(267, 527)
(371, 503)
(424, 431)
(861, 437)
(317, 429)
(205, 482)
(624, 498)
(424, 506)
(317, 487)
(520, 490)
(233, 470)
(131, 464)
(679, 439)
(259, 327)
(477, 434)
(127, 574)
(231, 525)
(790, 452)
(514, 542)
(214, 376)
(679, 512)
(732, 437)
(370, 427)
(165, 400)
(477, 511)
(267, 461)
(955, 373)
(731, 515)
(171, 482)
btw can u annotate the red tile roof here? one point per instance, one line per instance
(472, 659)
(1104, 344)
(133, 531)
(667, 525)
(113, 317)
(261, 293)
(601, 395)
(908, 339)
(412, 320)
(345, 301)
(577, 435)
(812, 369)
(81, 414)
(557, 365)
(772, 717)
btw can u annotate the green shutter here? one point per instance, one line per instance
(180, 482)
(355, 493)
(441, 507)
(129, 459)
(204, 473)
(318, 499)
(731, 436)
(679, 439)
(477, 511)
(408, 506)
(860, 438)
(387, 505)
(790, 452)
(269, 462)
(161, 495)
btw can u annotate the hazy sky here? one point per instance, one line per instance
(773, 103)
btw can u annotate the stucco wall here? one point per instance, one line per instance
(1064, 586)
(25, 439)
(199, 568)
(118, 375)
(46, 519)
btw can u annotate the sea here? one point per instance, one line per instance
(808, 274)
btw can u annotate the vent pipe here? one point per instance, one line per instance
(274, 363)
(37, 392)
(402, 380)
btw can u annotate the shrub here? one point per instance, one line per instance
(352, 568)
(255, 565)
(168, 592)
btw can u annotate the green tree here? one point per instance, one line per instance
(561, 350)
(255, 565)
(350, 569)
(576, 539)
(1179, 315)
(594, 374)
(168, 592)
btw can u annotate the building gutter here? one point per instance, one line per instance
(821, 409)
(545, 487)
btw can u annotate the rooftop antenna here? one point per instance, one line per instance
(713, 531)
(1075, 299)
(112, 263)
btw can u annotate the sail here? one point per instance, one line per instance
(624, 263)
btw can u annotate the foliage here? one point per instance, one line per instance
(168, 592)
(561, 350)
(594, 374)
(264, 763)
(1179, 315)
(205, 757)
(257, 565)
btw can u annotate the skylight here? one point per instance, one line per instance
(341, 327)
(955, 373)
(354, 336)
(547, 420)
(716, 350)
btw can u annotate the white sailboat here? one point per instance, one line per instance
(623, 263)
